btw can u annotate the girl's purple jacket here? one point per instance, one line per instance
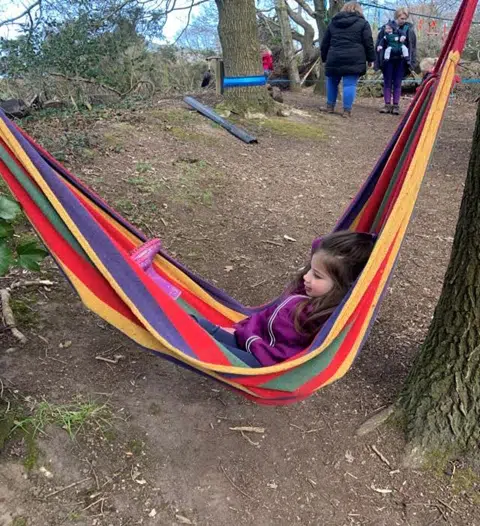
(270, 334)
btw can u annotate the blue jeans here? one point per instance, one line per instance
(228, 340)
(349, 90)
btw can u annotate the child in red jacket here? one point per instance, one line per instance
(267, 61)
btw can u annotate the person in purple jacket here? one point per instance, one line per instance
(289, 326)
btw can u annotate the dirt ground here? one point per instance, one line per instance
(161, 450)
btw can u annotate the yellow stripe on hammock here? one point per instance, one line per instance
(413, 181)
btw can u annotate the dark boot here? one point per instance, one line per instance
(386, 109)
(395, 109)
(330, 108)
(347, 114)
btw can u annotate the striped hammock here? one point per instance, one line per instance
(92, 245)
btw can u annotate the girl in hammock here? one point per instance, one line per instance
(282, 330)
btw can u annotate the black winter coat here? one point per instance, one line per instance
(347, 45)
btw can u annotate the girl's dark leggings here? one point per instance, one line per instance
(228, 340)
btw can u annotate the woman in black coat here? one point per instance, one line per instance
(346, 48)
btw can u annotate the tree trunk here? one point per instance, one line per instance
(335, 7)
(287, 44)
(321, 84)
(237, 29)
(441, 397)
(307, 38)
(321, 18)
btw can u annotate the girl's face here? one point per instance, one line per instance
(388, 29)
(317, 280)
(402, 20)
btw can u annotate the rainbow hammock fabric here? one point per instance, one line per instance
(92, 244)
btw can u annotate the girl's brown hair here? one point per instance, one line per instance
(344, 255)
(353, 7)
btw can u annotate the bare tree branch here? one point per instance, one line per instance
(306, 8)
(118, 8)
(267, 21)
(188, 22)
(27, 12)
(182, 8)
(297, 36)
(308, 32)
(298, 19)
(165, 6)
(266, 10)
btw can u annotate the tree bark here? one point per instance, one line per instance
(441, 397)
(321, 84)
(237, 29)
(321, 18)
(307, 38)
(335, 7)
(287, 44)
(320, 15)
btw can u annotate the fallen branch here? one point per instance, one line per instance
(39, 282)
(375, 421)
(383, 491)
(67, 487)
(105, 86)
(88, 81)
(139, 83)
(446, 505)
(100, 500)
(115, 360)
(9, 317)
(382, 457)
(249, 440)
(272, 243)
(258, 283)
(234, 485)
(309, 71)
(248, 429)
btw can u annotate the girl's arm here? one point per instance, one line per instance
(270, 335)
(265, 353)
